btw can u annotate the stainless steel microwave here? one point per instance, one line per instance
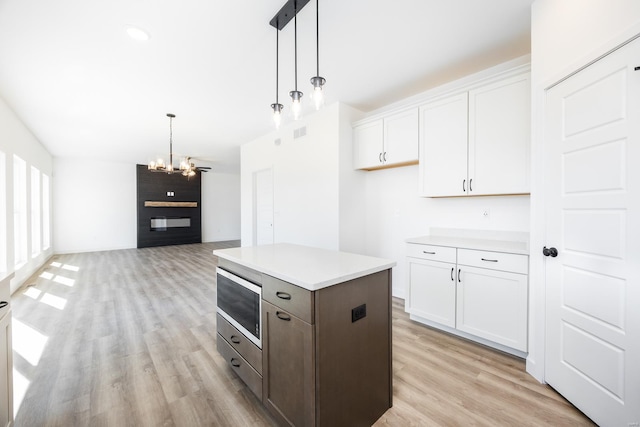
(240, 302)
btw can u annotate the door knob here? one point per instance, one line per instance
(552, 252)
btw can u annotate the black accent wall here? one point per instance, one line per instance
(154, 186)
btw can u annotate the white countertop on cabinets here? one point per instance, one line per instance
(507, 246)
(304, 266)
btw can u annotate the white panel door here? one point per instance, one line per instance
(592, 160)
(443, 147)
(263, 207)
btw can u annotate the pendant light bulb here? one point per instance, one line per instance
(317, 81)
(296, 104)
(317, 95)
(277, 114)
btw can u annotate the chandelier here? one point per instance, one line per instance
(187, 167)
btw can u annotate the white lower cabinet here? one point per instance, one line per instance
(433, 291)
(478, 294)
(6, 371)
(493, 305)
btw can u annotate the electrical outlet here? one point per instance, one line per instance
(358, 313)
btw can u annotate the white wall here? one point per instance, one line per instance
(16, 139)
(94, 205)
(307, 177)
(395, 212)
(565, 36)
(221, 204)
(96, 211)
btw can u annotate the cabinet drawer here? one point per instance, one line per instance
(240, 343)
(251, 378)
(291, 298)
(494, 260)
(433, 253)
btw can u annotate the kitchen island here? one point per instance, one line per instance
(322, 356)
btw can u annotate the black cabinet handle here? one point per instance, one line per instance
(464, 181)
(384, 156)
(428, 253)
(459, 276)
(552, 252)
(3, 304)
(470, 181)
(283, 316)
(234, 362)
(489, 260)
(452, 273)
(283, 295)
(380, 157)
(234, 339)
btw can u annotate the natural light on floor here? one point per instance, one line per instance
(27, 342)
(64, 280)
(20, 386)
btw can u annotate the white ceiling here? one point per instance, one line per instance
(85, 89)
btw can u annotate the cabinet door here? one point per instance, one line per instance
(493, 305)
(288, 367)
(443, 147)
(401, 138)
(367, 145)
(6, 371)
(432, 291)
(499, 137)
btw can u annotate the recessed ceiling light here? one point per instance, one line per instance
(138, 34)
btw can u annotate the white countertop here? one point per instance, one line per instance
(507, 246)
(304, 266)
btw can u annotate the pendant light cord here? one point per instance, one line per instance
(171, 141)
(317, 41)
(277, 60)
(295, 39)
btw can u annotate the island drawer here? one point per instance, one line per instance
(248, 350)
(430, 252)
(244, 370)
(293, 299)
(515, 263)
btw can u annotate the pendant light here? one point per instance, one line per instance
(317, 95)
(296, 95)
(277, 107)
(187, 168)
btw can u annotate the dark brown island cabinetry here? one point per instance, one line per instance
(326, 353)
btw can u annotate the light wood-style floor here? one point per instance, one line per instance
(127, 338)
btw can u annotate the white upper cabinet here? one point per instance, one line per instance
(477, 142)
(499, 137)
(386, 142)
(368, 145)
(443, 138)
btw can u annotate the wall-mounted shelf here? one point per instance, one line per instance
(152, 204)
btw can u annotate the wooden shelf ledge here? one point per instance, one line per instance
(152, 204)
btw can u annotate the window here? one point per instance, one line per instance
(46, 214)
(36, 244)
(3, 212)
(19, 210)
